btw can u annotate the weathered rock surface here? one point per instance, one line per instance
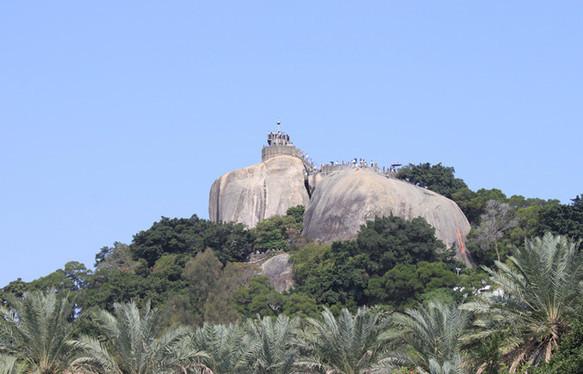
(260, 191)
(279, 271)
(346, 199)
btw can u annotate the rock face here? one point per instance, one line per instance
(260, 191)
(346, 199)
(279, 271)
(338, 198)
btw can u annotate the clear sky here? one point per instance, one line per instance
(114, 113)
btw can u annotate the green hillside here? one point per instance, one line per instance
(182, 297)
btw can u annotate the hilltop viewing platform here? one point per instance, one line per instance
(270, 151)
(279, 143)
(387, 171)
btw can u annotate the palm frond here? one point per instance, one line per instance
(434, 331)
(532, 295)
(346, 344)
(36, 329)
(136, 343)
(8, 365)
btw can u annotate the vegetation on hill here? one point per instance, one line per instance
(182, 298)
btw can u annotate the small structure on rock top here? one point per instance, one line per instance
(279, 144)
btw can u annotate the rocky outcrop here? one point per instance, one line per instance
(260, 191)
(279, 271)
(339, 197)
(346, 199)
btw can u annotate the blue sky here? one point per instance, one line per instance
(113, 114)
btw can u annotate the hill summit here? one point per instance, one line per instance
(339, 197)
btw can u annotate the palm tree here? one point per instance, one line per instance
(135, 344)
(270, 345)
(448, 367)
(431, 335)
(347, 344)
(530, 299)
(222, 345)
(36, 330)
(8, 365)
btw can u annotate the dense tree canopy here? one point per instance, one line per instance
(232, 242)
(438, 178)
(392, 261)
(563, 219)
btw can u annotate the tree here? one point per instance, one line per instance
(299, 304)
(136, 344)
(569, 358)
(405, 283)
(528, 218)
(109, 286)
(530, 299)
(297, 214)
(397, 287)
(279, 233)
(349, 344)
(474, 203)
(271, 234)
(36, 330)
(77, 274)
(305, 258)
(192, 235)
(455, 366)
(71, 278)
(169, 266)
(15, 288)
(169, 235)
(8, 365)
(483, 355)
(219, 307)
(222, 345)
(296, 226)
(202, 274)
(229, 241)
(259, 298)
(342, 274)
(270, 347)
(494, 222)
(118, 257)
(340, 278)
(564, 219)
(388, 241)
(438, 178)
(431, 335)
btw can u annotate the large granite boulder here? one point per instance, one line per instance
(279, 271)
(345, 199)
(260, 191)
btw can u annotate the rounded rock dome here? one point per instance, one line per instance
(346, 199)
(252, 194)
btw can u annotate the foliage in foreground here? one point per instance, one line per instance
(569, 358)
(347, 343)
(531, 299)
(529, 310)
(137, 344)
(36, 330)
(8, 365)
(431, 335)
